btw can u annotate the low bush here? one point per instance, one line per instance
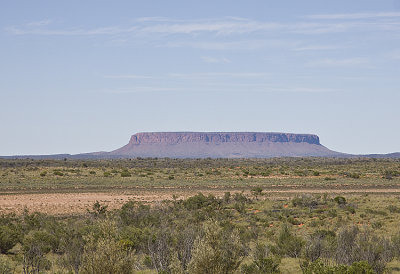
(5, 266)
(288, 244)
(262, 261)
(125, 173)
(318, 267)
(309, 201)
(340, 200)
(9, 237)
(107, 174)
(58, 173)
(218, 251)
(393, 209)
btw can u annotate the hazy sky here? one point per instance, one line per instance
(81, 76)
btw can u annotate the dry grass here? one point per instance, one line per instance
(69, 187)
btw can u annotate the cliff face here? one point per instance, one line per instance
(222, 145)
(173, 138)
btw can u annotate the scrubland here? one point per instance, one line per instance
(294, 215)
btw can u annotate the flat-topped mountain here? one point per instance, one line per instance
(215, 145)
(223, 145)
(219, 137)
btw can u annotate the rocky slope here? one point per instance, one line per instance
(223, 145)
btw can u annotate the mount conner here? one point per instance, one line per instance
(223, 145)
(215, 145)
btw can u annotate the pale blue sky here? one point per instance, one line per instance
(81, 76)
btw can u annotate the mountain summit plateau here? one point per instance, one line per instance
(223, 145)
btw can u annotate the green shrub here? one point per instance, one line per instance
(240, 197)
(107, 174)
(240, 207)
(376, 212)
(133, 237)
(288, 244)
(199, 201)
(320, 244)
(8, 238)
(35, 246)
(393, 209)
(71, 248)
(318, 267)
(353, 175)
(396, 244)
(125, 173)
(354, 245)
(256, 191)
(43, 240)
(98, 209)
(147, 261)
(340, 200)
(389, 174)
(104, 254)
(293, 221)
(377, 224)
(5, 266)
(305, 201)
(218, 251)
(262, 261)
(265, 173)
(227, 197)
(350, 209)
(361, 267)
(300, 173)
(58, 173)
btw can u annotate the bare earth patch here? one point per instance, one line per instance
(78, 203)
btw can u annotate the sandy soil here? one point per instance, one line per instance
(76, 203)
(71, 203)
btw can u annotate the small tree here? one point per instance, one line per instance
(35, 246)
(288, 244)
(263, 261)
(125, 173)
(105, 254)
(319, 267)
(98, 209)
(340, 200)
(5, 266)
(160, 250)
(72, 245)
(346, 240)
(320, 244)
(227, 197)
(257, 191)
(218, 251)
(9, 237)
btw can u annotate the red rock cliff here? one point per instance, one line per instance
(222, 145)
(220, 137)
